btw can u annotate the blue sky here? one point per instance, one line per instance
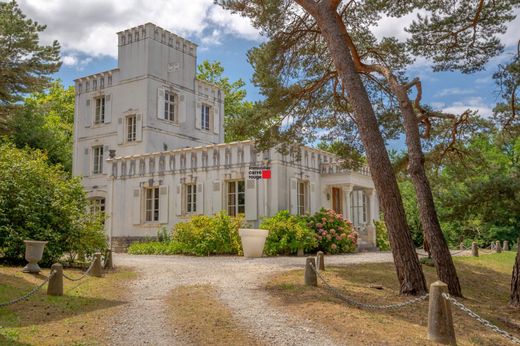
(87, 30)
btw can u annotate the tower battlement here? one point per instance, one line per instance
(156, 33)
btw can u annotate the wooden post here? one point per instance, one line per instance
(498, 247)
(320, 260)
(97, 270)
(55, 286)
(109, 264)
(310, 275)
(474, 249)
(506, 245)
(440, 321)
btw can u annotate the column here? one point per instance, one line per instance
(373, 214)
(347, 189)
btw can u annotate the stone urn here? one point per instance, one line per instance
(253, 241)
(33, 254)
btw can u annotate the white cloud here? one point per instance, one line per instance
(454, 91)
(472, 103)
(69, 60)
(89, 26)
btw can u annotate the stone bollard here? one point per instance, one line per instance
(310, 275)
(506, 245)
(440, 321)
(498, 247)
(97, 270)
(320, 260)
(474, 249)
(109, 264)
(300, 253)
(461, 246)
(55, 286)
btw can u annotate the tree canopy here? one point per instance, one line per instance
(25, 64)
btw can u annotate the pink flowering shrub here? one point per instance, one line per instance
(333, 233)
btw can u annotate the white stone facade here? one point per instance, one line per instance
(148, 142)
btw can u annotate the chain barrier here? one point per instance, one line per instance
(30, 293)
(452, 253)
(82, 276)
(484, 322)
(351, 301)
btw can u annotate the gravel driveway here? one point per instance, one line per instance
(144, 320)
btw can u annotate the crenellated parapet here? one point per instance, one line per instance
(152, 31)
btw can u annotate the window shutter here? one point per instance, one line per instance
(163, 204)
(182, 109)
(312, 194)
(108, 109)
(216, 198)
(251, 200)
(200, 199)
(138, 127)
(86, 163)
(160, 103)
(198, 116)
(178, 200)
(136, 207)
(294, 196)
(120, 131)
(216, 119)
(88, 113)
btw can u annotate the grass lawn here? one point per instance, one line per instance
(79, 317)
(200, 318)
(485, 283)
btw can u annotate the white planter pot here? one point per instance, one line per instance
(33, 254)
(253, 241)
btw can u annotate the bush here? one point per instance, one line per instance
(156, 248)
(382, 236)
(210, 235)
(163, 236)
(39, 201)
(333, 233)
(287, 234)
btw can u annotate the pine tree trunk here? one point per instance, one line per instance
(409, 271)
(515, 280)
(439, 250)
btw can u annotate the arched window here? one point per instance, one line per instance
(358, 207)
(97, 205)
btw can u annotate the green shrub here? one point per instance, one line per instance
(156, 248)
(163, 236)
(333, 233)
(39, 201)
(382, 241)
(209, 235)
(287, 234)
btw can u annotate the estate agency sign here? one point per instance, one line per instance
(257, 172)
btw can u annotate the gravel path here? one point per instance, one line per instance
(144, 320)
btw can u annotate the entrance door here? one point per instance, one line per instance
(337, 206)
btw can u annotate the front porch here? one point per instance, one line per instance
(352, 194)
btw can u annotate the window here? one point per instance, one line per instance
(151, 212)
(97, 205)
(302, 195)
(102, 83)
(79, 87)
(87, 86)
(204, 122)
(94, 84)
(109, 80)
(100, 110)
(191, 198)
(131, 128)
(236, 197)
(358, 207)
(170, 101)
(97, 153)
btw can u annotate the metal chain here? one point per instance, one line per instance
(486, 323)
(351, 301)
(82, 276)
(30, 293)
(452, 253)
